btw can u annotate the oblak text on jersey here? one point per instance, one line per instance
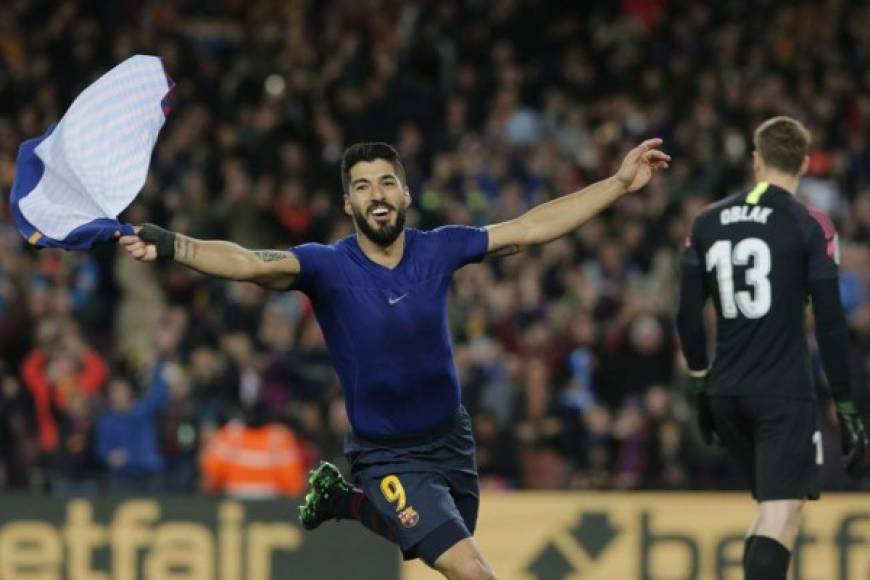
(745, 213)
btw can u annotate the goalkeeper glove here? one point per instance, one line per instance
(705, 414)
(853, 437)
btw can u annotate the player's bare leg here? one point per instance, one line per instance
(464, 561)
(780, 520)
(772, 539)
(753, 529)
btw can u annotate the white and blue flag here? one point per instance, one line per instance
(73, 181)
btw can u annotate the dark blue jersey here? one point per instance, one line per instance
(387, 330)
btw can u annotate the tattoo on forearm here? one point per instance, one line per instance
(271, 255)
(506, 251)
(185, 248)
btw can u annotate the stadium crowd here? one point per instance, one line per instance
(119, 375)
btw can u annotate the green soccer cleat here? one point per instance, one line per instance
(325, 480)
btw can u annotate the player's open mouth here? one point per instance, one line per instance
(381, 214)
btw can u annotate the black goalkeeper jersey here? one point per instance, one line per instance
(757, 254)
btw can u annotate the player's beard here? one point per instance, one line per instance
(383, 235)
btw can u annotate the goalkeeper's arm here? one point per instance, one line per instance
(832, 335)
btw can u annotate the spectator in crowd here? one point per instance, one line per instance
(254, 458)
(496, 458)
(126, 438)
(641, 354)
(213, 384)
(179, 432)
(19, 451)
(62, 365)
(73, 467)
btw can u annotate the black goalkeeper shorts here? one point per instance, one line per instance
(776, 441)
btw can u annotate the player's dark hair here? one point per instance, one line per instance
(369, 152)
(783, 143)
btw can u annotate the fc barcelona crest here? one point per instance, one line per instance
(409, 517)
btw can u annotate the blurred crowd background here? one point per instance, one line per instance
(128, 377)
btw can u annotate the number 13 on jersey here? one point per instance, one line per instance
(754, 253)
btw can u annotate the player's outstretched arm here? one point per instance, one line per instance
(563, 215)
(273, 269)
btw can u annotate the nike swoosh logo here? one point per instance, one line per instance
(392, 300)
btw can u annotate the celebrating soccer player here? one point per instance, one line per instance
(380, 297)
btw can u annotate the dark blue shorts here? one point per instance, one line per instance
(427, 489)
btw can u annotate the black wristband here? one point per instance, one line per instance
(163, 239)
